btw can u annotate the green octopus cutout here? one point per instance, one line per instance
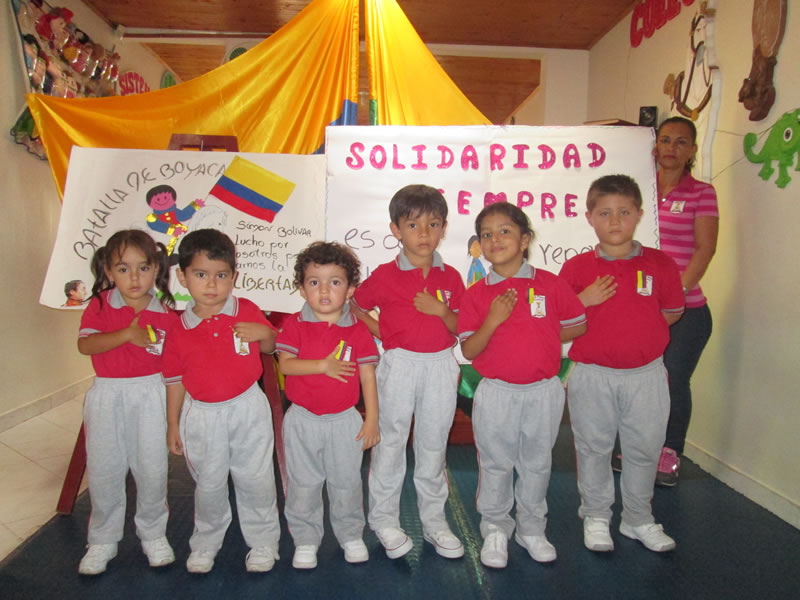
(782, 145)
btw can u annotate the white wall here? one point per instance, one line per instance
(40, 365)
(746, 411)
(560, 99)
(562, 96)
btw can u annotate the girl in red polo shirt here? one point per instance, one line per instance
(124, 417)
(511, 325)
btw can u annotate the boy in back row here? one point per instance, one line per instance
(632, 295)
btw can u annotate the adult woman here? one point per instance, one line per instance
(688, 226)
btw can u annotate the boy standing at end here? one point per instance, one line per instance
(217, 416)
(632, 295)
(418, 297)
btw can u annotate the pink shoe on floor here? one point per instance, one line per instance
(668, 465)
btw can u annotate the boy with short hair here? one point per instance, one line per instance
(632, 295)
(418, 297)
(319, 350)
(224, 425)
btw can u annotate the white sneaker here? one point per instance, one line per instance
(355, 551)
(96, 558)
(650, 534)
(159, 553)
(305, 557)
(260, 560)
(537, 546)
(395, 540)
(201, 561)
(446, 544)
(494, 553)
(596, 536)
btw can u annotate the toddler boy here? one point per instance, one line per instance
(217, 416)
(320, 349)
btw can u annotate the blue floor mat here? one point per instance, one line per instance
(728, 547)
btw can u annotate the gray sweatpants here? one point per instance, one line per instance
(125, 423)
(515, 427)
(233, 437)
(635, 402)
(322, 450)
(422, 386)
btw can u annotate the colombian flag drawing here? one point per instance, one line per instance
(252, 189)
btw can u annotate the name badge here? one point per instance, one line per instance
(443, 296)
(538, 304)
(644, 284)
(343, 351)
(240, 347)
(157, 337)
(677, 206)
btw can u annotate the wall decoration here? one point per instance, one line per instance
(58, 59)
(690, 90)
(169, 193)
(782, 145)
(238, 48)
(695, 91)
(168, 79)
(651, 15)
(131, 82)
(769, 23)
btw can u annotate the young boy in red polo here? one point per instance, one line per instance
(217, 416)
(417, 296)
(632, 295)
(325, 353)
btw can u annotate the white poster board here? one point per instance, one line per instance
(106, 191)
(545, 170)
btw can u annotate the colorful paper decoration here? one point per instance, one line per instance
(782, 145)
(253, 189)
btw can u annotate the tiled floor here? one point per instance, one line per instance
(33, 461)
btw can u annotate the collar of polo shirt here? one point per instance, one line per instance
(526, 271)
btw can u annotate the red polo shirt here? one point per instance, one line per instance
(202, 353)
(627, 330)
(126, 360)
(303, 335)
(392, 288)
(526, 347)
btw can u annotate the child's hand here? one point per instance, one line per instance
(337, 369)
(137, 335)
(252, 332)
(428, 304)
(502, 306)
(200, 202)
(369, 433)
(174, 442)
(600, 290)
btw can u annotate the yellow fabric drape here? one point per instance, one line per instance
(277, 97)
(407, 86)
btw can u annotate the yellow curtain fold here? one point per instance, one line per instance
(407, 85)
(277, 97)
